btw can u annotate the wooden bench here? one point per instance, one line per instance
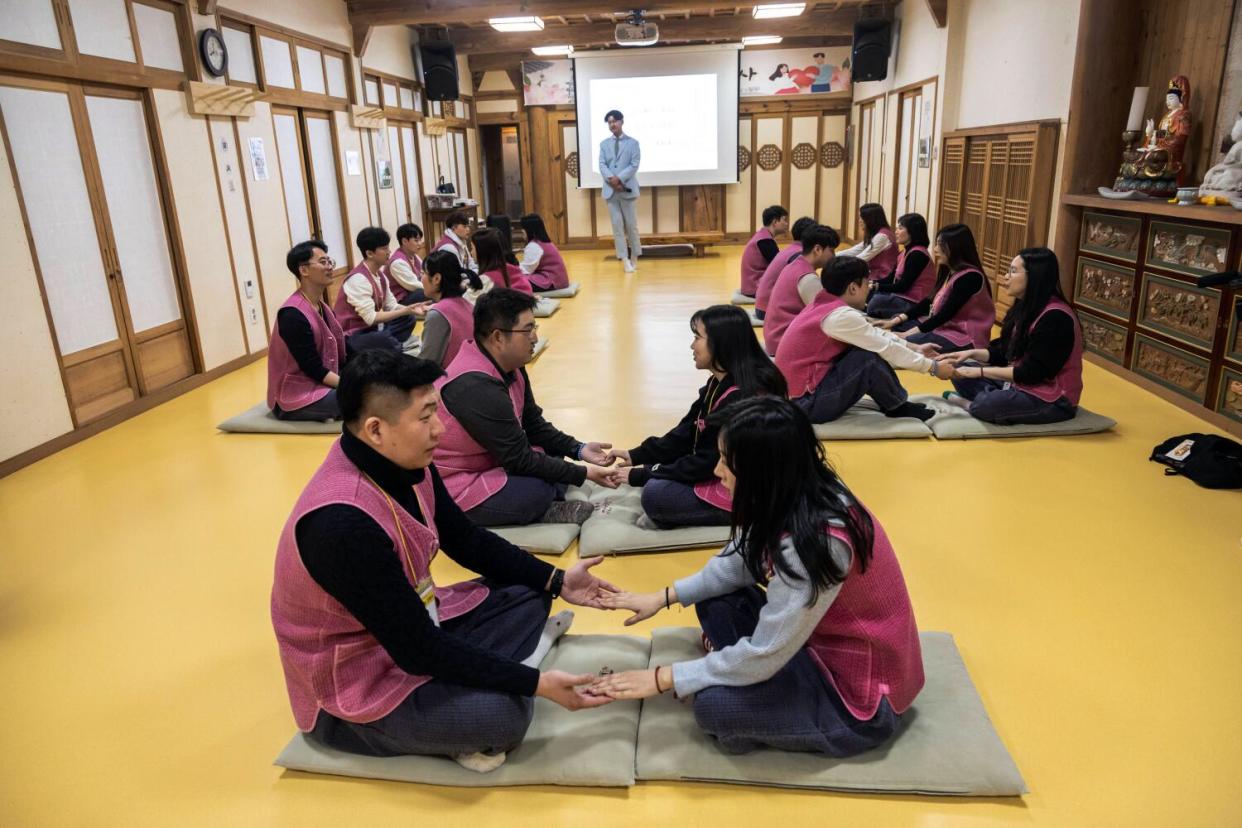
(699, 240)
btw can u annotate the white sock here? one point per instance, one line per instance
(480, 762)
(557, 626)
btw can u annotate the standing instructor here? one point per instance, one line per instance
(618, 165)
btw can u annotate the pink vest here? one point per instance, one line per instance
(350, 321)
(973, 323)
(785, 302)
(768, 280)
(331, 661)
(446, 241)
(753, 263)
(517, 279)
(471, 473)
(459, 313)
(1068, 381)
(882, 263)
(867, 643)
(550, 273)
(398, 290)
(805, 354)
(713, 491)
(287, 386)
(925, 283)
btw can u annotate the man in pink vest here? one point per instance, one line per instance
(366, 306)
(786, 255)
(761, 250)
(502, 461)
(831, 355)
(405, 266)
(379, 659)
(798, 283)
(457, 239)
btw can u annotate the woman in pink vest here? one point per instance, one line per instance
(1033, 372)
(676, 471)
(307, 351)
(961, 313)
(761, 250)
(798, 283)
(914, 277)
(827, 659)
(489, 249)
(879, 245)
(450, 321)
(786, 255)
(541, 260)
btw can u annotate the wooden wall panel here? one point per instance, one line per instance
(700, 207)
(577, 202)
(769, 136)
(738, 216)
(803, 133)
(831, 179)
(668, 209)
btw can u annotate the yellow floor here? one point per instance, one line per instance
(1096, 604)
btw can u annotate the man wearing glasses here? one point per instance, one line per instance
(501, 461)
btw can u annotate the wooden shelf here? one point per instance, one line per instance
(220, 99)
(367, 117)
(1157, 207)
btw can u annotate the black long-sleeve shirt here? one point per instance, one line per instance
(482, 405)
(300, 339)
(768, 248)
(684, 454)
(965, 287)
(1047, 349)
(900, 281)
(351, 557)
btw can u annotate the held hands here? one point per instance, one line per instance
(906, 334)
(420, 309)
(929, 349)
(886, 324)
(643, 604)
(632, 684)
(598, 453)
(583, 589)
(957, 357)
(621, 475)
(572, 692)
(601, 476)
(945, 370)
(618, 454)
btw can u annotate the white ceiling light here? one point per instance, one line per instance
(516, 24)
(549, 51)
(760, 40)
(766, 11)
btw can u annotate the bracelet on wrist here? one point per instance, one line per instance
(557, 583)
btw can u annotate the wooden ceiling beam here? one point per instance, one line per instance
(823, 24)
(939, 11)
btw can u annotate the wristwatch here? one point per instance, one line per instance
(557, 583)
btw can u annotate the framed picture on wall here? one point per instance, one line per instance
(383, 173)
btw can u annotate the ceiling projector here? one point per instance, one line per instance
(637, 32)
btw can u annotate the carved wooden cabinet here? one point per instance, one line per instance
(1134, 288)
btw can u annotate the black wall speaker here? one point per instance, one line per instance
(439, 70)
(872, 41)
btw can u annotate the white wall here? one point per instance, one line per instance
(389, 51)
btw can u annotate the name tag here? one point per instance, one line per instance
(427, 592)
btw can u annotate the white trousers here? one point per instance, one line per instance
(624, 214)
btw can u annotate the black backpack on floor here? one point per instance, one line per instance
(1212, 461)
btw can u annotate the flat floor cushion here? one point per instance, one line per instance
(952, 422)
(540, 538)
(946, 744)
(740, 298)
(755, 322)
(613, 528)
(545, 307)
(865, 421)
(593, 748)
(560, 293)
(261, 420)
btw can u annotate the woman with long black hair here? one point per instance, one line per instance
(913, 278)
(879, 245)
(1033, 372)
(827, 658)
(450, 321)
(489, 249)
(961, 314)
(541, 260)
(676, 470)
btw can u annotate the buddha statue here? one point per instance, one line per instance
(1157, 167)
(1225, 179)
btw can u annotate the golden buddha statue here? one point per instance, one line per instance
(1157, 167)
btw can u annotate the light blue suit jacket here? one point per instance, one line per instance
(624, 167)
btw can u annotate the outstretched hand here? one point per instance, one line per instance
(598, 453)
(583, 589)
(632, 684)
(642, 604)
(618, 454)
(572, 692)
(601, 476)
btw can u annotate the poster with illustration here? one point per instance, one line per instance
(794, 71)
(547, 82)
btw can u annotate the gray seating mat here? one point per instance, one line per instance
(545, 307)
(740, 298)
(540, 538)
(865, 421)
(592, 748)
(954, 423)
(613, 529)
(946, 744)
(261, 420)
(566, 292)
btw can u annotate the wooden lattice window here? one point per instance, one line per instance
(743, 159)
(803, 156)
(769, 157)
(831, 154)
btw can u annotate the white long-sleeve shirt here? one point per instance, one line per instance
(849, 325)
(531, 254)
(461, 249)
(809, 287)
(867, 252)
(358, 293)
(404, 275)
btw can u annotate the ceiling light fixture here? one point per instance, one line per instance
(516, 24)
(767, 11)
(761, 40)
(550, 51)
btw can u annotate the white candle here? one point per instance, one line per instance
(1139, 103)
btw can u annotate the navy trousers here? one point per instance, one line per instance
(997, 402)
(671, 504)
